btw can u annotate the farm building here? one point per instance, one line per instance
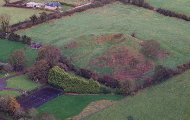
(53, 5)
(33, 4)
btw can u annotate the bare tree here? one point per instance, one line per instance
(4, 23)
(7, 1)
(18, 60)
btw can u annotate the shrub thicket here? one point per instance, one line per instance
(71, 83)
(108, 81)
(160, 74)
(15, 37)
(151, 48)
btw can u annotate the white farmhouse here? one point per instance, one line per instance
(34, 4)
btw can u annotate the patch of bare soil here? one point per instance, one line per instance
(109, 38)
(93, 108)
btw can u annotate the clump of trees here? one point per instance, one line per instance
(15, 37)
(6, 68)
(50, 53)
(160, 74)
(18, 60)
(48, 56)
(4, 23)
(150, 48)
(43, 16)
(5, 29)
(34, 19)
(39, 71)
(126, 86)
(10, 105)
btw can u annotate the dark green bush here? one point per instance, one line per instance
(105, 90)
(26, 40)
(72, 83)
(14, 37)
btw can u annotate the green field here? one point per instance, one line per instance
(20, 82)
(70, 105)
(8, 47)
(76, 34)
(17, 14)
(166, 101)
(179, 6)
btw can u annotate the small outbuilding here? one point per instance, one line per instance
(53, 5)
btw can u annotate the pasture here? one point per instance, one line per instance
(166, 101)
(20, 82)
(78, 36)
(17, 14)
(8, 47)
(179, 6)
(67, 106)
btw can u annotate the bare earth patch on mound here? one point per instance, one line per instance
(93, 108)
(125, 61)
(109, 38)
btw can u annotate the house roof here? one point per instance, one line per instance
(53, 4)
(34, 3)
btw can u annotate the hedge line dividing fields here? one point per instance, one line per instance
(79, 32)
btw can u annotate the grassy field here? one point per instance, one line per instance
(179, 6)
(166, 101)
(8, 47)
(20, 82)
(76, 35)
(70, 105)
(17, 14)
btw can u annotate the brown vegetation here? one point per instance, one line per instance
(18, 60)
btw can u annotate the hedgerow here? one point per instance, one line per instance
(72, 83)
